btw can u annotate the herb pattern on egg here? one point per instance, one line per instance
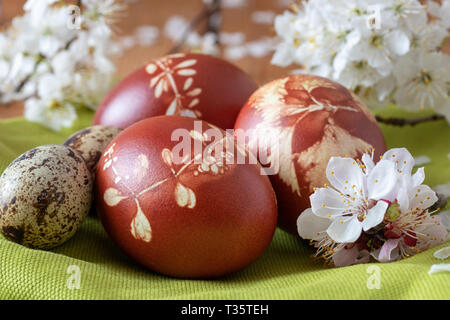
(91, 142)
(44, 196)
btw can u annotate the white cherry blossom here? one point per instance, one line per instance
(423, 80)
(355, 201)
(54, 114)
(378, 209)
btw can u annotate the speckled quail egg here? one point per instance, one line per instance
(91, 142)
(44, 196)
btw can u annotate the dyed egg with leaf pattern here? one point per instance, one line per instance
(190, 214)
(186, 84)
(313, 119)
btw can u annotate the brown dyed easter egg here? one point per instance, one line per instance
(313, 119)
(186, 84)
(191, 213)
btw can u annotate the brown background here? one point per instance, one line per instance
(156, 13)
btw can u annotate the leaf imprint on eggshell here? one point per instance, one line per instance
(171, 110)
(176, 55)
(184, 196)
(186, 72)
(143, 161)
(159, 88)
(140, 226)
(112, 197)
(186, 64)
(194, 92)
(163, 80)
(167, 156)
(151, 68)
(141, 168)
(188, 83)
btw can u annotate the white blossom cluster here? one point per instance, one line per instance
(385, 50)
(57, 59)
(233, 44)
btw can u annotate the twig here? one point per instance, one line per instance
(206, 13)
(28, 77)
(41, 58)
(401, 122)
(214, 21)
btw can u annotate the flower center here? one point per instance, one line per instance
(54, 104)
(424, 77)
(360, 64)
(361, 208)
(377, 41)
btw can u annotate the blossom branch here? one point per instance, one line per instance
(214, 20)
(207, 13)
(22, 83)
(401, 122)
(40, 58)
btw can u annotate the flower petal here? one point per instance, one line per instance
(327, 202)
(436, 268)
(375, 215)
(310, 226)
(433, 231)
(368, 162)
(422, 197)
(388, 252)
(345, 257)
(403, 198)
(343, 173)
(345, 230)
(399, 42)
(403, 160)
(442, 253)
(382, 180)
(418, 177)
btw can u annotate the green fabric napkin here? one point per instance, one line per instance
(285, 271)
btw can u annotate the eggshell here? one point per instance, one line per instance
(91, 142)
(44, 196)
(314, 119)
(186, 84)
(191, 219)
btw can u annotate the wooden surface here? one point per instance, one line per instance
(156, 13)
